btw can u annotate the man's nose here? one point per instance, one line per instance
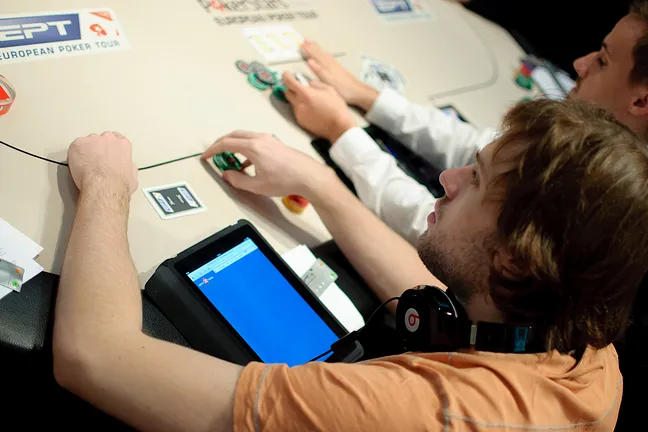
(454, 180)
(582, 65)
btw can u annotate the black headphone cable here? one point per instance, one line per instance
(354, 334)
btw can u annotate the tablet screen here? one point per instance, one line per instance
(262, 306)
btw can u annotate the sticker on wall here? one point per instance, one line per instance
(402, 10)
(59, 34)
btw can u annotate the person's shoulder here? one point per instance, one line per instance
(606, 359)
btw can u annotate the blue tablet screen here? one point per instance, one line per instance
(262, 306)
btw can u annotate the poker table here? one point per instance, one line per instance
(176, 89)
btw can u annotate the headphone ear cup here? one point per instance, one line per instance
(413, 320)
(429, 320)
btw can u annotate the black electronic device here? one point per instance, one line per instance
(233, 297)
(429, 319)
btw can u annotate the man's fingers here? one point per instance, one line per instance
(315, 66)
(291, 96)
(228, 144)
(319, 85)
(243, 134)
(292, 84)
(240, 180)
(313, 49)
(237, 134)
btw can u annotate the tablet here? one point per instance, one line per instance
(246, 284)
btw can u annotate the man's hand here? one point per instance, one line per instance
(353, 91)
(280, 170)
(106, 157)
(318, 108)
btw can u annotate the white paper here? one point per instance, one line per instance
(276, 43)
(18, 243)
(31, 268)
(4, 291)
(20, 250)
(300, 259)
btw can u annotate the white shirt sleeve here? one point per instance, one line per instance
(445, 141)
(396, 198)
(400, 201)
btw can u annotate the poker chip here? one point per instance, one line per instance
(7, 95)
(279, 90)
(295, 203)
(266, 77)
(227, 161)
(243, 66)
(257, 68)
(524, 82)
(254, 81)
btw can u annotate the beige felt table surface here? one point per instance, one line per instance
(176, 90)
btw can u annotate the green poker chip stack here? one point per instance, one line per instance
(227, 161)
(524, 82)
(279, 90)
(254, 81)
(259, 76)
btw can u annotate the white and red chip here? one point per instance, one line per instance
(7, 95)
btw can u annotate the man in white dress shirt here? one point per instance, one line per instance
(616, 77)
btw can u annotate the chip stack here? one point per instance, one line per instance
(523, 75)
(262, 78)
(295, 203)
(227, 161)
(279, 90)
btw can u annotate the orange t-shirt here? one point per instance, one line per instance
(434, 391)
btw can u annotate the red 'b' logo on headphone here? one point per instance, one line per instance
(412, 320)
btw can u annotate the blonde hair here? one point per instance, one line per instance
(574, 198)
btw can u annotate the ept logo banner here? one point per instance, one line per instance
(39, 30)
(59, 34)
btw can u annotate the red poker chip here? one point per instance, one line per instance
(299, 200)
(266, 78)
(7, 95)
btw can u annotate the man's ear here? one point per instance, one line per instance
(639, 106)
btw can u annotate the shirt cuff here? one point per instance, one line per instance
(352, 149)
(389, 106)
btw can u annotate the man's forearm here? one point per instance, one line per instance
(100, 352)
(99, 294)
(364, 97)
(387, 262)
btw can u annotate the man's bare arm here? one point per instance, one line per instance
(387, 262)
(100, 352)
